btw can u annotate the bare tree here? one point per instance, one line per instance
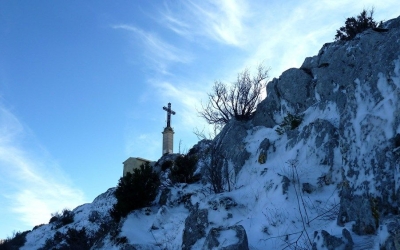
(213, 170)
(216, 168)
(239, 101)
(206, 135)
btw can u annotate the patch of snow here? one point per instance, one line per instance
(383, 235)
(329, 113)
(227, 237)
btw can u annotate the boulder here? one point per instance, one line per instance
(292, 91)
(324, 241)
(195, 227)
(230, 143)
(322, 134)
(228, 238)
(393, 229)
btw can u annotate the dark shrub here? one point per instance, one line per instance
(183, 169)
(135, 191)
(94, 216)
(37, 226)
(67, 217)
(14, 242)
(166, 164)
(72, 239)
(77, 239)
(61, 219)
(354, 26)
(54, 219)
(290, 122)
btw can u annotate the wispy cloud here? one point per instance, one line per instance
(32, 186)
(143, 143)
(265, 30)
(221, 21)
(279, 36)
(160, 52)
(311, 24)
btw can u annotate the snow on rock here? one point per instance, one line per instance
(233, 237)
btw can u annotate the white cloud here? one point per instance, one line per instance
(159, 52)
(31, 187)
(146, 145)
(180, 27)
(284, 36)
(280, 36)
(221, 21)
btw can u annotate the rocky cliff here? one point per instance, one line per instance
(316, 167)
(360, 79)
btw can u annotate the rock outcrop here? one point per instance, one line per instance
(323, 240)
(360, 81)
(195, 226)
(230, 238)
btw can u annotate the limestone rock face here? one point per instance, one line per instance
(365, 132)
(195, 225)
(356, 85)
(322, 134)
(360, 81)
(230, 143)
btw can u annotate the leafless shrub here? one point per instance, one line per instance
(239, 100)
(213, 170)
(216, 168)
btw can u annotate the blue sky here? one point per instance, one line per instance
(83, 83)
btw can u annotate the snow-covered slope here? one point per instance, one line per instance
(332, 182)
(90, 216)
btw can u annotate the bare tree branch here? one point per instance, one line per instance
(239, 102)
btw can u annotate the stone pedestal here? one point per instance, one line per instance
(168, 141)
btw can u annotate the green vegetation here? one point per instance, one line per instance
(356, 25)
(375, 210)
(262, 158)
(135, 191)
(61, 219)
(290, 122)
(72, 239)
(183, 169)
(166, 164)
(14, 242)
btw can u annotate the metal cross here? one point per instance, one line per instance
(169, 112)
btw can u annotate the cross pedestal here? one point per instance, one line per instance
(168, 133)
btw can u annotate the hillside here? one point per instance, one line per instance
(330, 181)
